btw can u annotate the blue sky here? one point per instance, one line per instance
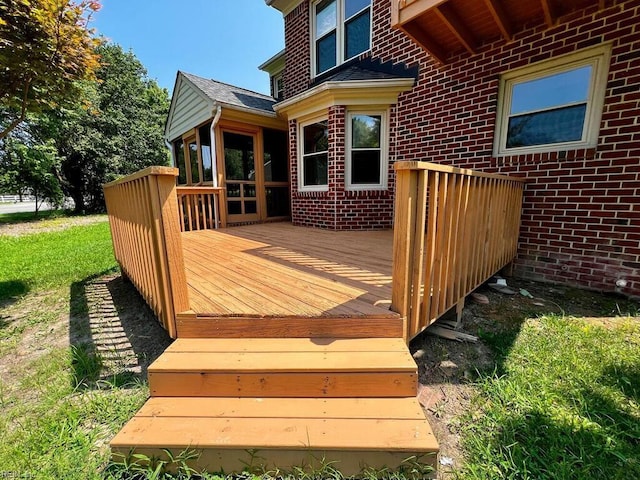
(221, 39)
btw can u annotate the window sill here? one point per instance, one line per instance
(538, 149)
(317, 77)
(321, 188)
(365, 188)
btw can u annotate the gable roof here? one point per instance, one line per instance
(231, 95)
(195, 98)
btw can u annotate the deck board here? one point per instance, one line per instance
(278, 270)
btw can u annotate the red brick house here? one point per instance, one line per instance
(545, 89)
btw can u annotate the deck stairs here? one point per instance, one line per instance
(270, 404)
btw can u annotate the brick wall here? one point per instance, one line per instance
(297, 72)
(581, 219)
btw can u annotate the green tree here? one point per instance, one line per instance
(45, 49)
(117, 130)
(31, 170)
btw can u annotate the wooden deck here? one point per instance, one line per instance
(315, 322)
(278, 270)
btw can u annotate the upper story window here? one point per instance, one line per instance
(554, 105)
(277, 86)
(366, 159)
(314, 156)
(341, 31)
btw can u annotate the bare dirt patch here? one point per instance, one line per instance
(447, 369)
(112, 320)
(108, 319)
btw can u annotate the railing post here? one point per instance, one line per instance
(147, 242)
(408, 243)
(164, 206)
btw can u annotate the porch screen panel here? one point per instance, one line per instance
(178, 152)
(205, 154)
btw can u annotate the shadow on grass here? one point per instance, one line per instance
(569, 427)
(625, 378)
(536, 445)
(11, 291)
(113, 333)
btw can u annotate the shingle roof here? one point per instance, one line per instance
(367, 69)
(232, 95)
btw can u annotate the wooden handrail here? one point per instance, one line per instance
(453, 229)
(145, 229)
(199, 208)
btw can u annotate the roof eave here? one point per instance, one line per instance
(284, 6)
(348, 92)
(255, 111)
(275, 64)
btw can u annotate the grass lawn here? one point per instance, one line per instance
(563, 402)
(52, 427)
(560, 401)
(31, 216)
(52, 260)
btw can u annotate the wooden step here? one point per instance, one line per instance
(291, 367)
(269, 433)
(191, 325)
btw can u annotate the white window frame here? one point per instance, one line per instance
(384, 151)
(301, 186)
(278, 77)
(596, 57)
(340, 34)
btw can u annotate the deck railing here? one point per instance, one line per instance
(199, 208)
(145, 227)
(453, 229)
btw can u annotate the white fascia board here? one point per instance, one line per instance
(284, 6)
(275, 64)
(177, 91)
(349, 92)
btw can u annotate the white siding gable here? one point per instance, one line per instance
(189, 108)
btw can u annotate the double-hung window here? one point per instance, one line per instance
(366, 167)
(341, 31)
(314, 159)
(277, 86)
(554, 105)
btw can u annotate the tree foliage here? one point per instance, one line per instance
(30, 169)
(120, 132)
(115, 128)
(45, 49)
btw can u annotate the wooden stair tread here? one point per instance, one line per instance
(288, 345)
(277, 433)
(285, 355)
(286, 401)
(406, 408)
(283, 362)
